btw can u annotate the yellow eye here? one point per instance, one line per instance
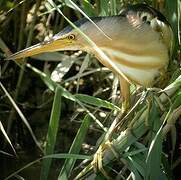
(71, 37)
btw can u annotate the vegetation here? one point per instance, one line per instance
(56, 108)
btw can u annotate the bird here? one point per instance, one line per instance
(136, 45)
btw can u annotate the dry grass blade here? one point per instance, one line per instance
(25, 121)
(6, 137)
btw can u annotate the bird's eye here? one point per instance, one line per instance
(71, 37)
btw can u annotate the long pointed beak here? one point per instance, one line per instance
(46, 46)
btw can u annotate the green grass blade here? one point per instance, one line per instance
(104, 7)
(52, 133)
(113, 7)
(67, 156)
(88, 8)
(134, 172)
(96, 101)
(139, 163)
(153, 159)
(173, 14)
(75, 148)
(175, 84)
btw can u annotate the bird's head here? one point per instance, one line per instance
(68, 39)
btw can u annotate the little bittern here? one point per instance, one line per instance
(138, 43)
